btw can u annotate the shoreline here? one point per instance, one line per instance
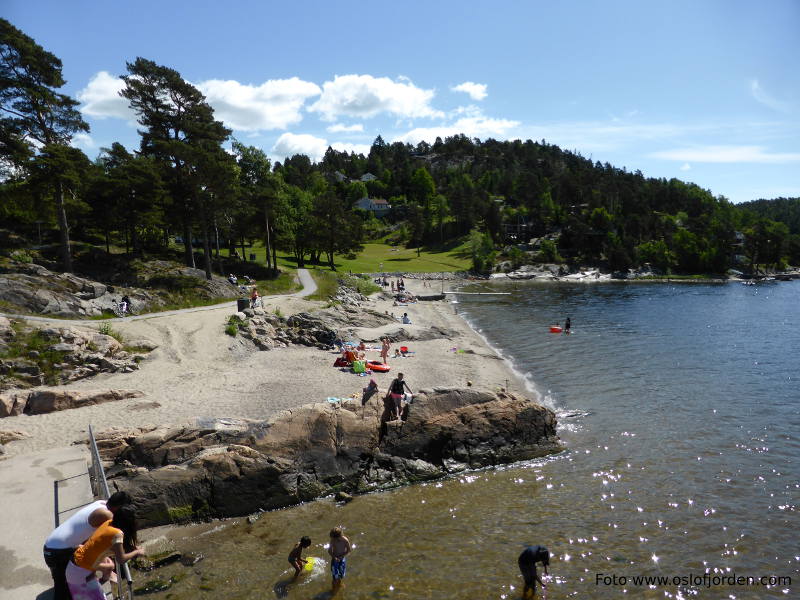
(199, 371)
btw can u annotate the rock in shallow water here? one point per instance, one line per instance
(237, 467)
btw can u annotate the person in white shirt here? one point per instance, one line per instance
(62, 542)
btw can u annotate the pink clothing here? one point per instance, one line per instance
(83, 585)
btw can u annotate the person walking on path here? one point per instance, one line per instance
(61, 544)
(385, 347)
(527, 566)
(396, 390)
(339, 548)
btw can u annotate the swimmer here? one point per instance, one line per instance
(296, 555)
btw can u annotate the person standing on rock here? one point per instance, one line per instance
(60, 545)
(527, 566)
(396, 390)
(339, 548)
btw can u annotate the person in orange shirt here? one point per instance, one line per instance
(117, 538)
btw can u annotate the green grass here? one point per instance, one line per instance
(327, 284)
(393, 258)
(28, 339)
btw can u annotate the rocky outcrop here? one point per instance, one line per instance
(36, 402)
(31, 288)
(58, 355)
(236, 467)
(318, 329)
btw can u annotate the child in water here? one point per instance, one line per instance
(295, 556)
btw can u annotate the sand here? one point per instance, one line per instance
(199, 371)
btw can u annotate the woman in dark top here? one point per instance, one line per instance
(396, 390)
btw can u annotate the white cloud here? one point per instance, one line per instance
(476, 91)
(686, 167)
(101, 98)
(476, 126)
(83, 140)
(728, 154)
(346, 147)
(342, 128)
(365, 96)
(275, 104)
(314, 147)
(290, 144)
(761, 96)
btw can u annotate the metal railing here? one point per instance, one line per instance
(97, 477)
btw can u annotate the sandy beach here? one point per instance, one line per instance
(199, 371)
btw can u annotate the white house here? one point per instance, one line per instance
(367, 177)
(378, 206)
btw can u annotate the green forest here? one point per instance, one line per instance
(190, 182)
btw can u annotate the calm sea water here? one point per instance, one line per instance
(681, 411)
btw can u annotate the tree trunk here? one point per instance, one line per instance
(206, 250)
(219, 256)
(266, 237)
(274, 257)
(188, 255)
(63, 226)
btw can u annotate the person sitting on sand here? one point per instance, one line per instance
(339, 548)
(406, 320)
(362, 347)
(296, 555)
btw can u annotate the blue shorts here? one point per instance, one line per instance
(338, 568)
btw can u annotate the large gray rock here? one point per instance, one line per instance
(236, 467)
(40, 401)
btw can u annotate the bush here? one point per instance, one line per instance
(106, 329)
(548, 252)
(232, 329)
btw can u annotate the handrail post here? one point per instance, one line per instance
(123, 572)
(55, 502)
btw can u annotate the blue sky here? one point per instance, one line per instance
(706, 91)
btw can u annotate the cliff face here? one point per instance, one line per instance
(229, 468)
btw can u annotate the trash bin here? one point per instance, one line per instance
(241, 304)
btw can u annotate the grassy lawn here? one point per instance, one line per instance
(393, 258)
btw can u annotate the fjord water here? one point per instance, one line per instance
(680, 410)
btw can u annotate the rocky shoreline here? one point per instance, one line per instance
(227, 468)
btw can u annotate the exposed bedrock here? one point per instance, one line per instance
(222, 468)
(41, 401)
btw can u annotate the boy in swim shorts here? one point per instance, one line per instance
(339, 548)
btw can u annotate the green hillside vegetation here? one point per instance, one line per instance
(454, 204)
